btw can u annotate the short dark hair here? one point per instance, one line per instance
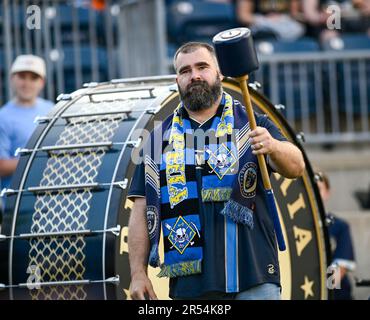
(193, 46)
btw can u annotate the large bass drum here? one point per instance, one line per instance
(65, 226)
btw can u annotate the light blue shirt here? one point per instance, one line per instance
(16, 127)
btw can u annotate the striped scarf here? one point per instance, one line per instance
(229, 174)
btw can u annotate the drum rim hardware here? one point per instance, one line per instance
(122, 90)
(68, 187)
(34, 285)
(64, 97)
(255, 85)
(104, 144)
(87, 232)
(40, 119)
(279, 106)
(90, 84)
(162, 78)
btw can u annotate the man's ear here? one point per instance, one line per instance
(221, 75)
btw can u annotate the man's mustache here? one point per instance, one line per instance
(197, 84)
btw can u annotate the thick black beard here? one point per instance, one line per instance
(199, 95)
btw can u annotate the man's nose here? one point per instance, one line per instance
(195, 75)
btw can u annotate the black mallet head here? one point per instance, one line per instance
(235, 52)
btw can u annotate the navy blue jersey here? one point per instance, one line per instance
(235, 258)
(342, 254)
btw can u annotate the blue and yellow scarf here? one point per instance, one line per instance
(229, 174)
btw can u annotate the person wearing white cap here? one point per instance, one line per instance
(27, 78)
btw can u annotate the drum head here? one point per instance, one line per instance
(66, 217)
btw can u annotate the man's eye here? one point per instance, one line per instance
(184, 71)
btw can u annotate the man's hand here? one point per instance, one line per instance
(262, 142)
(141, 287)
(284, 157)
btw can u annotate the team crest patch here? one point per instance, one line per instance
(152, 220)
(248, 180)
(181, 234)
(222, 161)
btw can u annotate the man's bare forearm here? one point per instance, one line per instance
(7, 167)
(284, 156)
(287, 160)
(138, 238)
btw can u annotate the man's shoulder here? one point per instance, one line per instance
(6, 113)
(6, 108)
(238, 104)
(260, 117)
(239, 107)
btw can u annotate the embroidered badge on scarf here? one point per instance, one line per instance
(222, 161)
(181, 234)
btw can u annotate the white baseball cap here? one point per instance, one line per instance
(29, 62)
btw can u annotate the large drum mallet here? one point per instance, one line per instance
(237, 58)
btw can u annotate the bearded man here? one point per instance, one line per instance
(207, 194)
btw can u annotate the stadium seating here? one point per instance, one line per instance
(86, 65)
(295, 84)
(275, 46)
(189, 20)
(350, 69)
(68, 16)
(348, 42)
